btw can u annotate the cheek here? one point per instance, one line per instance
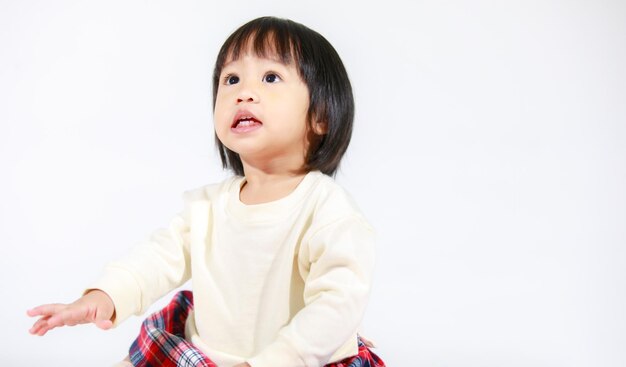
(220, 112)
(295, 105)
(302, 101)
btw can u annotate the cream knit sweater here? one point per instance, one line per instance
(283, 283)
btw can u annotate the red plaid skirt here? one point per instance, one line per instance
(161, 341)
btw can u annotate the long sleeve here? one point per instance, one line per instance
(337, 264)
(154, 267)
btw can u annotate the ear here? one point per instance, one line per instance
(320, 127)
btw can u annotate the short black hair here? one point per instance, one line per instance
(320, 67)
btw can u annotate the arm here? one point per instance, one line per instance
(337, 263)
(130, 285)
(154, 267)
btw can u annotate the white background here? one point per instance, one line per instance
(489, 152)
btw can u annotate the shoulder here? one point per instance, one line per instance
(334, 203)
(338, 229)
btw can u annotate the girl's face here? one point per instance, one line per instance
(260, 113)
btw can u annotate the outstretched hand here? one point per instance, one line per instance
(94, 307)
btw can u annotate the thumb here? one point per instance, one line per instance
(104, 324)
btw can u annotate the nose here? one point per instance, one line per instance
(249, 98)
(248, 94)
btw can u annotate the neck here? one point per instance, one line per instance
(264, 185)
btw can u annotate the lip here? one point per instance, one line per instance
(243, 114)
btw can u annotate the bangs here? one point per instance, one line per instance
(266, 39)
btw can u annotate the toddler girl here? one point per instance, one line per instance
(279, 256)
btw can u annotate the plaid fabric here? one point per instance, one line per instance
(364, 358)
(161, 341)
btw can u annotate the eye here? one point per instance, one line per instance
(231, 79)
(271, 78)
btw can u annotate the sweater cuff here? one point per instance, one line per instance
(124, 291)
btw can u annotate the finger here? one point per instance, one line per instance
(44, 309)
(61, 319)
(70, 316)
(43, 328)
(368, 343)
(38, 325)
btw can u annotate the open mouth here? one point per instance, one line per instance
(244, 121)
